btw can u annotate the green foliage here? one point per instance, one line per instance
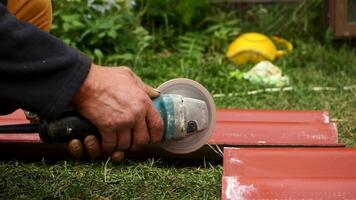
(101, 29)
(112, 32)
(192, 11)
(291, 20)
(117, 32)
(184, 13)
(222, 29)
(192, 45)
(170, 19)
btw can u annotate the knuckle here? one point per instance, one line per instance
(127, 70)
(145, 100)
(109, 123)
(127, 120)
(141, 105)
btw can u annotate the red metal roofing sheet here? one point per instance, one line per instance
(289, 173)
(226, 134)
(20, 138)
(264, 133)
(17, 117)
(232, 133)
(235, 115)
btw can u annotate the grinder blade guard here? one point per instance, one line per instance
(190, 89)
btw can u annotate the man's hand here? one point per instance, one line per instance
(118, 103)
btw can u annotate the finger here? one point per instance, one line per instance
(140, 133)
(117, 156)
(92, 146)
(154, 124)
(108, 141)
(124, 139)
(150, 91)
(75, 148)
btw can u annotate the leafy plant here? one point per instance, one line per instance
(182, 14)
(222, 28)
(100, 28)
(293, 20)
(192, 44)
(168, 19)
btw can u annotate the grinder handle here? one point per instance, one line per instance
(65, 129)
(76, 126)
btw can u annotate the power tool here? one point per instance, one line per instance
(186, 107)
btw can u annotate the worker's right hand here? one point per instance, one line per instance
(119, 104)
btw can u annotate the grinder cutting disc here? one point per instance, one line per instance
(191, 89)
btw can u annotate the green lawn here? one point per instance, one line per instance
(95, 180)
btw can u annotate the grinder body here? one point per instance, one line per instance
(181, 116)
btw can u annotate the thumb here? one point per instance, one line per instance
(152, 92)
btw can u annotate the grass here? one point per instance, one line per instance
(313, 63)
(92, 180)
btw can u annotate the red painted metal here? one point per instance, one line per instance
(230, 133)
(289, 173)
(20, 138)
(235, 115)
(17, 117)
(264, 133)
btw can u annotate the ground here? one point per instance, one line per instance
(313, 64)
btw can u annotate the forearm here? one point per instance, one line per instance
(38, 72)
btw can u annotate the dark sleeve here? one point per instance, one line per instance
(38, 72)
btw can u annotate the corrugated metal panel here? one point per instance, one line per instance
(289, 173)
(20, 138)
(226, 133)
(17, 117)
(235, 115)
(244, 133)
(262, 133)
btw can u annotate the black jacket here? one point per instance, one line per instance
(38, 72)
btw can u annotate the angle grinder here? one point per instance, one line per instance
(186, 107)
